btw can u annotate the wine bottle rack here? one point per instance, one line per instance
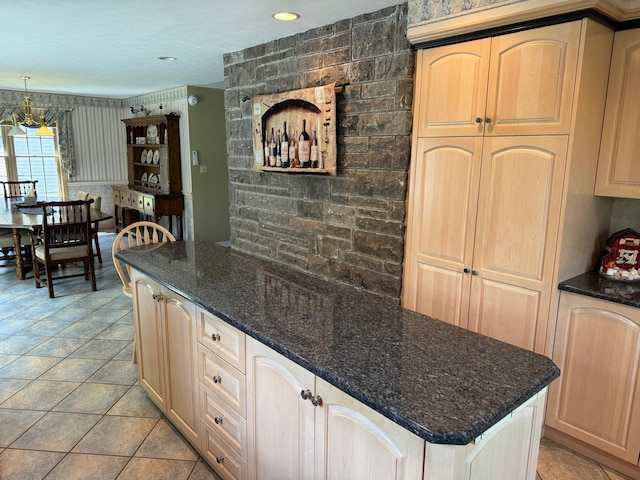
(315, 105)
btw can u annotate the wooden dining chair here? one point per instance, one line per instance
(139, 233)
(13, 189)
(133, 235)
(8, 256)
(65, 237)
(97, 205)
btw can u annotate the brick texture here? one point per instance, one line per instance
(348, 228)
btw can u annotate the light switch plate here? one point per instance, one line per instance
(194, 157)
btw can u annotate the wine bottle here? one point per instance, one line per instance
(293, 150)
(314, 155)
(272, 149)
(285, 147)
(278, 150)
(265, 150)
(304, 146)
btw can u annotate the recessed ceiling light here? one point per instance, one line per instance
(170, 59)
(286, 16)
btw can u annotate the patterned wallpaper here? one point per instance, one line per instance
(429, 11)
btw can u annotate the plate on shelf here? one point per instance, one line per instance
(152, 134)
(153, 179)
(144, 177)
(143, 156)
(156, 157)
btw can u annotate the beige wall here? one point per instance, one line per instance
(210, 190)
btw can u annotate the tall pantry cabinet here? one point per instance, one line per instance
(500, 203)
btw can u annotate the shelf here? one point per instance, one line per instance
(140, 164)
(315, 171)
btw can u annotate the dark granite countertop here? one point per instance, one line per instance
(593, 285)
(445, 384)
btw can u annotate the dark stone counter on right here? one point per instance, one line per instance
(593, 285)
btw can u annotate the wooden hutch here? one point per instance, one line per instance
(154, 187)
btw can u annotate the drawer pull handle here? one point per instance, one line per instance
(215, 336)
(317, 401)
(216, 379)
(218, 420)
(220, 459)
(306, 394)
(478, 120)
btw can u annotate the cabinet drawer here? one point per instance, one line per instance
(137, 201)
(223, 339)
(223, 379)
(149, 205)
(222, 419)
(125, 198)
(116, 197)
(228, 464)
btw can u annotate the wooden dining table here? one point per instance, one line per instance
(17, 216)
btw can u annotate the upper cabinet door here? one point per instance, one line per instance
(453, 80)
(517, 84)
(618, 165)
(532, 80)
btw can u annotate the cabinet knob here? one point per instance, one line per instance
(478, 120)
(218, 420)
(216, 379)
(306, 394)
(317, 401)
(466, 270)
(487, 120)
(474, 272)
(215, 336)
(220, 459)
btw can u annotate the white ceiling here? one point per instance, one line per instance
(109, 48)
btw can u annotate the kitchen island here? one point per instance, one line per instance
(455, 393)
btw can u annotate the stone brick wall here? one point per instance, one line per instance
(349, 228)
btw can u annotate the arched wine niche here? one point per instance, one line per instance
(316, 107)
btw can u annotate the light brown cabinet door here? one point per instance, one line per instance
(482, 225)
(619, 161)
(517, 228)
(353, 441)
(441, 222)
(532, 80)
(149, 338)
(166, 340)
(517, 84)
(182, 406)
(597, 348)
(453, 83)
(280, 422)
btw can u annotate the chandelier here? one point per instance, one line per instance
(30, 120)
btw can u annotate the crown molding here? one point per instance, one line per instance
(495, 15)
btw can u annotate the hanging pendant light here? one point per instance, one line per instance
(29, 118)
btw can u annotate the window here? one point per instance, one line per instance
(32, 157)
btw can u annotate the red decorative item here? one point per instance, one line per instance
(622, 258)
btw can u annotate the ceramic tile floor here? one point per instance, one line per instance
(70, 407)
